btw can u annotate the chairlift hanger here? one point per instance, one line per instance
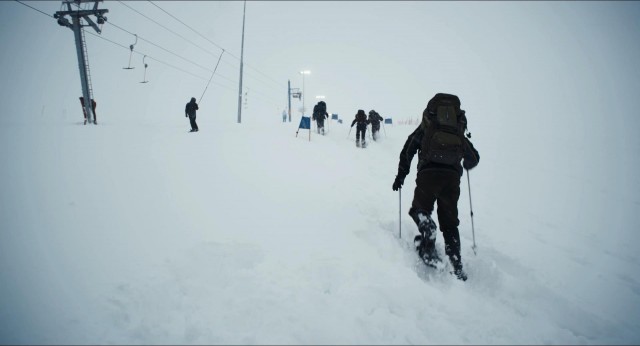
(131, 53)
(144, 79)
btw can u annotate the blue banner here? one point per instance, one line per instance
(388, 121)
(334, 116)
(305, 123)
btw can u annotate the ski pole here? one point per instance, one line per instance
(385, 130)
(473, 232)
(400, 211)
(349, 132)
(214, 72)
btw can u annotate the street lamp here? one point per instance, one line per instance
(303, 91)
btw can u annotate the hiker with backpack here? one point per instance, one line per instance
(374, 120)
(319, 114)
(361, 128)
(441, 145)
(190, 111)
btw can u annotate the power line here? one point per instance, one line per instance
(33, 8)
(157, 60)
(148, 56)
(260, 95)
(171, 31)
(168, 51)
(162, 62)
(192, 29)
(158, 46)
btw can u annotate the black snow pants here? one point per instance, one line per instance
(192, 120)
(442, 186)
(320, 123)
(361, 130)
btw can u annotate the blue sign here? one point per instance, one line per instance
(334, 116)
(388, 121)
(305, 123)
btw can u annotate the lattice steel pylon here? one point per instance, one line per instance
(76, 25)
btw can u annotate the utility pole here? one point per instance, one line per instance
(76, 25)
(241, 64)
(289, 97)
(295, 93)
(303, 91)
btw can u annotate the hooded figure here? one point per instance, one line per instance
(374, 120)
(361, 129)
(319, 114)
(190, 111)
(440, 153)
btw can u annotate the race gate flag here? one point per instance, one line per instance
(334, 116)
(305, 123)
(388, 121)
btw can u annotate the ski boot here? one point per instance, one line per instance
(459, 273)
(426, 241)
(358, 143)
(453, 251)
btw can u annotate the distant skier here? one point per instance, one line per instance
(374, 120)
(190, 111)
(361, 128)
(441, 145)
(319, 114)
(284, 116)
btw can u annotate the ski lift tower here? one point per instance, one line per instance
(77, 25)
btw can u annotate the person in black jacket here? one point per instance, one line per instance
(439, 182)
(190, 111)
(319, 115)
(374, 120)
(361, 129)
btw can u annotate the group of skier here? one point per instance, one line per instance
(320, 114)
(443, 149)
(361, 121)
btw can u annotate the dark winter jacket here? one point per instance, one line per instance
(191, 108)
(361, 119)
(375, 118)
(320, 112)
(470, 156)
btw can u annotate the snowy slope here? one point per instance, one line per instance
(138, 232)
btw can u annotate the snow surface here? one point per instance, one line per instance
(136, 232)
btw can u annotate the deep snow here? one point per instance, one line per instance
(138, 232)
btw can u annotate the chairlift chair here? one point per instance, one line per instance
(144, 79)
(131, 53)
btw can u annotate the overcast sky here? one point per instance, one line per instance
(391, 56)
(551, 90)
(559, 80)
